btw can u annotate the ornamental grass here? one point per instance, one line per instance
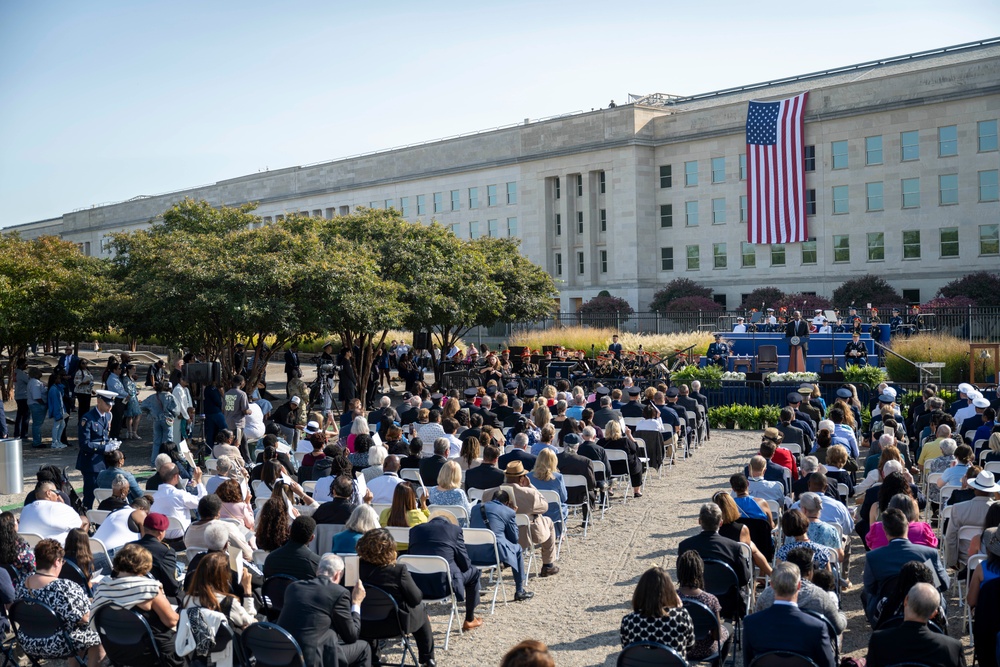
(587, 338)
(929, 347)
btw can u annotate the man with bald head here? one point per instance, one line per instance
(913, 641)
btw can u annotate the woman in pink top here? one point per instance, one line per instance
(234, 506)
(919, 533)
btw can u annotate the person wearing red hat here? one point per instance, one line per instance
(164, 570)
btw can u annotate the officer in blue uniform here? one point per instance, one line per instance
(94, 436)
(718, 352)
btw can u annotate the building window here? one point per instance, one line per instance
(719, 211)
(558, 224)
(743, 166)
(512, 227)
(909, 146)
(719, 259)
(811, 202)
(438, 199)
(873, 196)
(579, 185)
(579, 222)
(345, 210)
(911, 192)
(778, 254)
(421, 204)
(455, 200)
(558, 188)
(911, 244)
(743, 208)
(841, 248)
(666, 176)
(841, 204)
(947, 189)
(473, 198)
(512, 193)
(948, 141)
(474, 230)
(558, 263)
(809, 252)
(390, 203)
(666, 215)
(986, 131)
(748, 255)
(666, 259)
(581, 265)
(809, 157)
(604, 219)
(911, 296)
(876, 246)
(604, 261)
(989, 239)
(602, 182)
(691, 213)
(404, 206)
(491, 195)
(718, 170)
(493, 228)
(949, 241)
(691, 173)
(988, 186)
(839, 151)
(456, 229)
(693, 258)
(873, 150)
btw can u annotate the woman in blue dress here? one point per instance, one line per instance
(133, 413)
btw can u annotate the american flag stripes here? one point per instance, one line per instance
(776, 201)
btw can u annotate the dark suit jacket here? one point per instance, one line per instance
(429, 467)
(440, 537)
(484, 477)
(318, 614)
(489, 418)
(291, 361)
(913, 641)
(410, 462)
(786, 628)
(408, 417)
(690, 405)
(291, 558)
(603, 415)
(793, 435)
(595, 452)
(801, 485)
(574, 464)
(701, 398)
(631, 409)
(164, 564)
(337, 510)
(506, 415)
(716, 547)
(471, 433)
(503, 523)
(397, 581)
(526, 459)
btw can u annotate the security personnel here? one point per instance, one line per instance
(94, 436)
(856, 352)
(718, 352)
(896, 322)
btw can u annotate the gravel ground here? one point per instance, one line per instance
(578, 612)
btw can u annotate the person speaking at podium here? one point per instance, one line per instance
(797, 333)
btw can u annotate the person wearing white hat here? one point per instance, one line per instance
(970, 513)
(94, 436)
(975, 421)
(970, 408)
(740, 326)
(963, 394)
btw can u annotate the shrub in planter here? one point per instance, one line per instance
(869, 375)
(709, 376)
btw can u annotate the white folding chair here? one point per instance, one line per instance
(323, 543)
(604, 498)
(299, 457)
(100, 495)
(993, 467)
(412, 475)
(553, 497)
(843, 490)
(475, 495)
(399, 533)
(524, 521)
(643, 456)
(379, 507)
(97, 517)
(794, 447)
(579, 482)
(97, 547)
(259, 556)
(632, 422)
(429, 565)
(457, 511)
(486, 537)
(212, 465)
(31, 538)
(351, 575)
(309, 487)
(970, 436)
(619, 455)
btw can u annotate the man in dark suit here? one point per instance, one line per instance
(605, 413)
(519, 453)
(689, 404)
(486, 412)
(571, 463)
(414, 456)
(782, 627)
(710, 545)
(882, 565)
(615, 348)
(792, 434)
(486, 475)
(291, 362)
(633, 408)
(441, 537)
(505, 414)
(799, 327)
(594, 452)
(294, 557)
(499, 515)
(384, 414)
(430, 466)
(154, 528)
(913, 641)
(408, 410)
(325, 619)
(70, 364)
(801, 419)
(338, 510)
(474, 430)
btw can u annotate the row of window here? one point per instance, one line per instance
(909, 150)
(602, 222)
(454, 202)
(948, 245)
(602, 185)
(492, 229)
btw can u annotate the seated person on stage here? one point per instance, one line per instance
(856, 352)
(718, 352)
(740, 326)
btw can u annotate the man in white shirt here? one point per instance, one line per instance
(49, 516)
(741, 326)
(175, 503)
(383, 486)
(825, 327)
(818, 318)
(185, 409)
(762, 488)
(431, 431)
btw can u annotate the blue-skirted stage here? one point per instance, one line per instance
(821, 347)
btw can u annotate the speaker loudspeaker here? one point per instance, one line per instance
(203, 373)
(422, 340)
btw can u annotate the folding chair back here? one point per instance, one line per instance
(97, 517)
(782, 659)
(486, 538)
(432, 574)
(126, 636)
(36, 620)
(100, 495)
(706, 624)
(272, 646)
(649, 654)
(72, 572)
(31, 538)
(273, 594)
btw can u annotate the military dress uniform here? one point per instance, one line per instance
(721, 349)
(856, 346)
(94, 435)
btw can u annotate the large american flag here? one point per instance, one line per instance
(776, 193)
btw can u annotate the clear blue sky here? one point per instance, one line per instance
(103, 101)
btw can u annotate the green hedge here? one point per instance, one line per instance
(744, 417)
(709, 376)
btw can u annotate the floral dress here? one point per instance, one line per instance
(70, 603)
(24, 562)
(132, 409)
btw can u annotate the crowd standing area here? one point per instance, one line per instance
(560, 526)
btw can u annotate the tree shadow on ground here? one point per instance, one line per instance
(610, 638)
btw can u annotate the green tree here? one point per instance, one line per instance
(675, 289)
(983, 287)
(866, 289)
(762, 298)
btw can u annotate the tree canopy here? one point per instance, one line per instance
(866, 289)
(676, 289)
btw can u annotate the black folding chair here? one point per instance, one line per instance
(272, 646)
(649, 654)
(72, 572)
(897, 620)
(380, 620)
(706, 626)
(36, 620)
(126, 637)
(832, 631)
(272, 593)
(782, 659)
(722, 581)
